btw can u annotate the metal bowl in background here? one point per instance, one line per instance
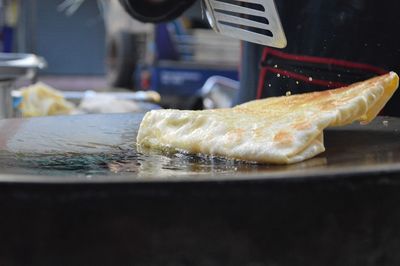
(12, 68)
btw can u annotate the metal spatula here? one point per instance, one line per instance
(254, 21)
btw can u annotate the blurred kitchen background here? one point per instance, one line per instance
(91, 57)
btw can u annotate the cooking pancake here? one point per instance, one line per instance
(279, 130)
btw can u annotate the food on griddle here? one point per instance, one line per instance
(279, 130)
(41, 100)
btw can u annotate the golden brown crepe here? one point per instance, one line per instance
(279, 130)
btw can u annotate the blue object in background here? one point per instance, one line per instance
(184, 81)
(72, 45)
(7, 39)
(165, 47)
(16, 101)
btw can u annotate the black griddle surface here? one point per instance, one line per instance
(101, 148)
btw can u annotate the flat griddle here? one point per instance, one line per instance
(101, 148)
(74, 191)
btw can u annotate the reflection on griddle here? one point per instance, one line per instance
(139, 165)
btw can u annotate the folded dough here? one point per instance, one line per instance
(279, 130)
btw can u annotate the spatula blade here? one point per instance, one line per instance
(254, 21)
